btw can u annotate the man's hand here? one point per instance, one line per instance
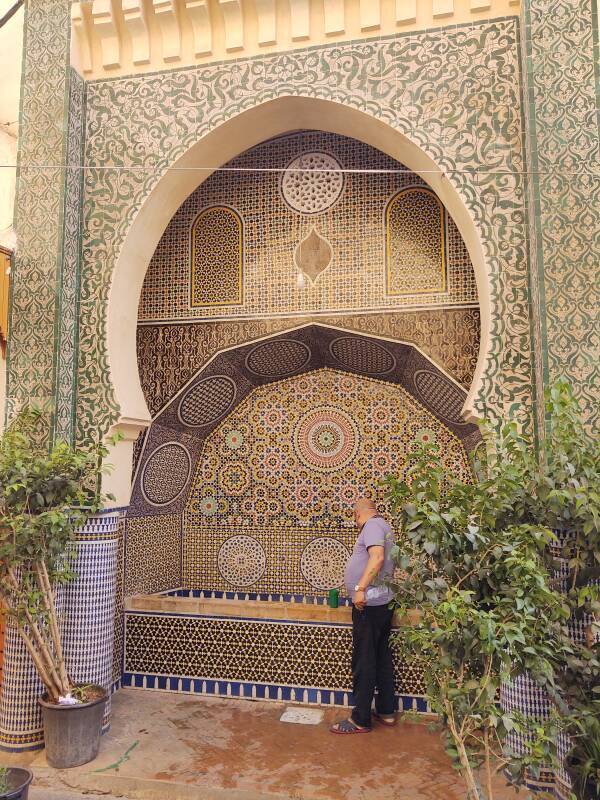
(360, 599)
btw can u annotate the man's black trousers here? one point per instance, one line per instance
(372, 664)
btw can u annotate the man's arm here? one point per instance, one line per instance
(374, 565)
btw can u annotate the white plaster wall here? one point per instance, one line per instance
(8, 160)
(11, 47)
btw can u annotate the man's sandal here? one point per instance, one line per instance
(388, 721)
(346, 727)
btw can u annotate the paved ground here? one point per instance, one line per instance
(177, 747)
(43, 793)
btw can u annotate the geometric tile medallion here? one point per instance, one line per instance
(208, 401)
(312, 183)
(270, 503)
(242, 560)
(415, 243)
(326, 438)
(323, 563)
(166, 473)
(278, 358)
(362, 355)
(440, 394)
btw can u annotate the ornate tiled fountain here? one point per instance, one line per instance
(241, 513)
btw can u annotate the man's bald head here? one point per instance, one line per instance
(365, 504)
(364, 509)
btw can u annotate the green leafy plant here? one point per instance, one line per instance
(44, 498)
(505, 572)
(564, 494)
(584, 758)
(488, 613)
(4, 786)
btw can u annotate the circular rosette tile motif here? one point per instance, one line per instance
(234, 439)
(323, 563)
(312, 183)
(361, 355)
(277, 359)
(441, 395)
(326, 439)
(235, 478)
(166, 474)
(207, 401)
(242, 560)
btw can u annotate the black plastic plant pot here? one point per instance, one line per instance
(72, 733)
(18, 780)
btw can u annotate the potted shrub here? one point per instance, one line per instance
(564, 494)
(14, 783)
(45, 496)
(477, 575)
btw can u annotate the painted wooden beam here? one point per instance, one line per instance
(199, 15)
(81, 37)
(234, 24)
(406, 11)
(370, 14)
(170, 30)
(300, 19)
(267, 21)
(134, 16)
(105, 27)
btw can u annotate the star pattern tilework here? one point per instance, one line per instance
(282, 470)
(287, 654)
(356, 227)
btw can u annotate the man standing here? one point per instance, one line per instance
(372, 664)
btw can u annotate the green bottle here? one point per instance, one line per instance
(333, 598)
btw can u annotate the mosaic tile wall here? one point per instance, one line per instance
(170, 355)
(216, 258)
(119, 624)
(66, 345)
(87, 609)
(561, 48)
(471, 128)
(153, 554)
(43, 134)
(414, 247)
(302, 662)
(270, 505)
(174, 442)
(264, 451)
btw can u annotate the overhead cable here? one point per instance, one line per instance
(11, 12)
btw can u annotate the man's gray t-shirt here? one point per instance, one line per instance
(375, 531)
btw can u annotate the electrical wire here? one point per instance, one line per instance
(11, 12)
(406, 170)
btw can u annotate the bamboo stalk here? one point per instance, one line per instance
(36, 657)
(52, 689)
(47, 593)
(39, 638)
